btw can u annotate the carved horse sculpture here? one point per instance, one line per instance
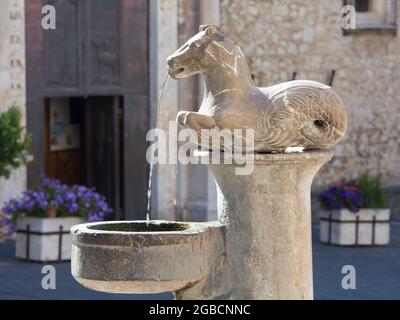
(297, 114)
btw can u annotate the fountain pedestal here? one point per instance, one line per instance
(268, 229)
(261, 246)
(259, 249)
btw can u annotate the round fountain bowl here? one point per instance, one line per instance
(136, 257)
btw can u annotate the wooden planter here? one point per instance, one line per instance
(44, 239)
(368, 227)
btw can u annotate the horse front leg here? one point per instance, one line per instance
(202, 127)
(195, 120)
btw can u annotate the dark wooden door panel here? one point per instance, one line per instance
(103, 43)
(135, 123)
(63, 45)
(134, 44)
(103, 147)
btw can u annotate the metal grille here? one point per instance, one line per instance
(29, 233)
(357, 223)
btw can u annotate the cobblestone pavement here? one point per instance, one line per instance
(378, 274)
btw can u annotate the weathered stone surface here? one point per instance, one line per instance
(259, 249)
(301, 113)
(268, 235)
(140, 262)
(163, 38)
(12, 79)
(281, 37)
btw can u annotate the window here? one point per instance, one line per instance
(362, 5)
(374, 14)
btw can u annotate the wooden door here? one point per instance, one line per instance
(99, 49)
(103, 148)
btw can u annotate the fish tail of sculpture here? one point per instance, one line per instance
(328, 121)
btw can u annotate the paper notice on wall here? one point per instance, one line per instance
(60, 111)
(64, 137)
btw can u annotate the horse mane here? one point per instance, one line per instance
(221, 37)
(234, 57)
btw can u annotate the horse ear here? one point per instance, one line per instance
(209, 28)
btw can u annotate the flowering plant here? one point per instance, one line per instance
(363, 192)
(53, 199)
(14, 142)
(371, 186)
(343, 196)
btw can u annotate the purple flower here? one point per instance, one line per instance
(340, 196)
(70, 196)
(68, 200)
(72, 208)
(45, 181)
(8, 226)
(95, 216)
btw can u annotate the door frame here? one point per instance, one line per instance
(133, 88)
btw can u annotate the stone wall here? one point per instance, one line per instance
(281, 37)
(12, 78)
(163, 40)
(196, 192)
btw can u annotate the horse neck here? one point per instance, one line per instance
(221, 81)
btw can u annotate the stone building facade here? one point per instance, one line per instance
(282, 39)
(287, 39)
(12, 78)
(305, 37)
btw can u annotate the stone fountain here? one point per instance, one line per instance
(260, 247)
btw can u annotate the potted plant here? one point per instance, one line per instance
(14, 147)
(355, 213)
(43, 218)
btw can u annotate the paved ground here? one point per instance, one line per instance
(378, 274)
(378, 269)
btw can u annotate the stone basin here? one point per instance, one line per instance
(133, 257)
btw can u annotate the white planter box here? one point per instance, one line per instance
(365, 228)
(44, 239)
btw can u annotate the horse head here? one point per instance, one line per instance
(207, 49)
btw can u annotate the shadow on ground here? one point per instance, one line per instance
(378, 274)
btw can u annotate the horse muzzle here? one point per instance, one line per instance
(176, 72)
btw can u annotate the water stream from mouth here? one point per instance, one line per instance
(152, 164)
